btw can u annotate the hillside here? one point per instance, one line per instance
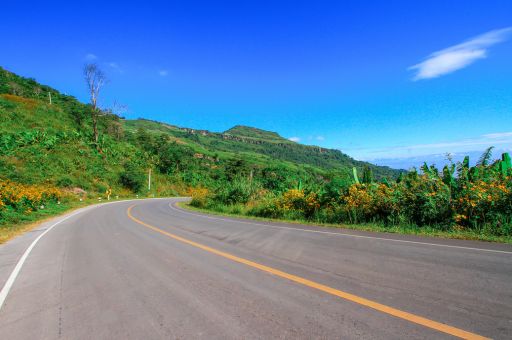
(259, 145)
(43, 142)
(254, 133)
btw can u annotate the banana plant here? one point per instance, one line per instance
(486, 157)
(505, 164)
(463, 169)
(367, 175)
(354, 172)
(448, 175)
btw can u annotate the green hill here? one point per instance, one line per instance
(254, 133)
(259, 145)
(43, 142)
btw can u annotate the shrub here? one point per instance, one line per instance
(26, 198)
(199, 197)
(133, 177)
(236, 191)
(65, 182)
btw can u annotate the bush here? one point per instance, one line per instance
(133, 177)
(199, 197)
(26, 198)
(236, 191)
(65, 182)
(426, 201)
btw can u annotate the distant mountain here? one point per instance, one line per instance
(251, 132)
(439, 160)
(260, 146)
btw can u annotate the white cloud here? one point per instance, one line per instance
(115, 66)
(459, 56)
(501, 140)
(294, 139)
(320, 138)
(90, 57)
(163, 73)
(499, 135)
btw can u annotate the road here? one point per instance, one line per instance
(147, 269)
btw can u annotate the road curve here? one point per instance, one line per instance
(148, 269)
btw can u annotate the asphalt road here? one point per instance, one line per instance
(149, 270)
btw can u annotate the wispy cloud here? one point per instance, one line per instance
(498, 135)
(294, 139)
(115, 66)
(498, 139)
(163, 73)
(91, 57)
(459, 56)
(320, 138)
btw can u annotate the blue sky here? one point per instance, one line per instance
(378, 80)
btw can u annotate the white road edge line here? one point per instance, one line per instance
(340, 234)
(10, 281)
(14, 274)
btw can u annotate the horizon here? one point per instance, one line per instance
(380, 88)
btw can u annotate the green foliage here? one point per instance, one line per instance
(478, 199)
(237, 168)
(367, 175)
(172, 157)
(133, 177)
(486, 157)
(354, 172)
(237, 190)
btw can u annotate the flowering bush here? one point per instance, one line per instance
(426, 200)
(483, 202)
(459, 197)
(23, 197)
(199, 196)
(298, 201)
(357, 203)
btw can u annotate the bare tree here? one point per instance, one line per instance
(118, 109)
(94, 79)
(115, 127)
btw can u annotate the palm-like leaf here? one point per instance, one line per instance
(486, 156)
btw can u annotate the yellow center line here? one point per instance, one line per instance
(441, 327)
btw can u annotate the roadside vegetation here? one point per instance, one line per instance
(456, 201)
(56, 151)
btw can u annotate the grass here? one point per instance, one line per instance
(404, 230)
(18, 223)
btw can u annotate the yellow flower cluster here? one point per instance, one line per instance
(291, 199)
(298, 200)
(358, 197)
(26, 197)
(199, 196)
(479, 196)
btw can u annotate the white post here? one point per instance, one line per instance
(50, 97)
(149, 180)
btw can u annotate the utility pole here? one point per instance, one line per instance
(149, 179)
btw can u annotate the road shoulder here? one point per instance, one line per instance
(334, 229)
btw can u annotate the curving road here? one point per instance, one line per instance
(149, 270)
